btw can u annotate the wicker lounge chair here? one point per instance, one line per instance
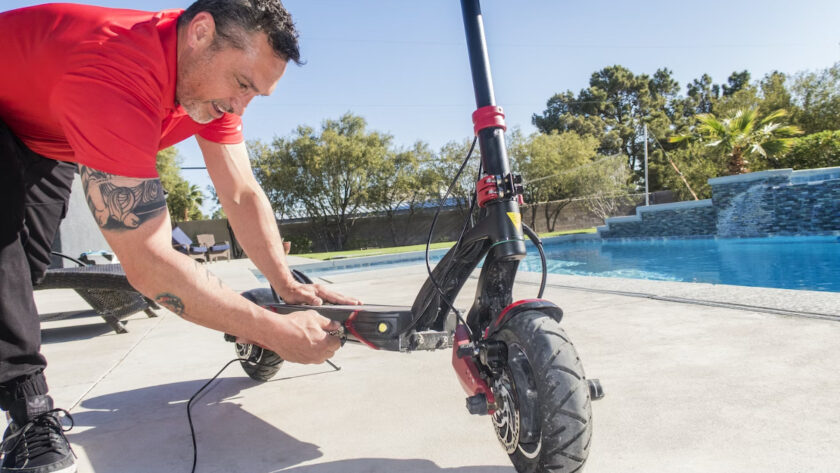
(215, 251)
(105, 287)
(183, 243)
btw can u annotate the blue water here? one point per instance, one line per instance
(811, 263)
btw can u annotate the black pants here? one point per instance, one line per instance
(33, 199)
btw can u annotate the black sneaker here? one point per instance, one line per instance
(34, 442)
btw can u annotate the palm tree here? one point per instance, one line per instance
(184, 201)
(743, 136)
(194, 200)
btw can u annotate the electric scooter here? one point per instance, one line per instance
(513, 359)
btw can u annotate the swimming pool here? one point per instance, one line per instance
(811, 263)
(808, 263)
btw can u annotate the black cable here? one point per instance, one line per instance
(470, 221)
(538, 243)
(432, 230)
(189, 403)
(189, 406)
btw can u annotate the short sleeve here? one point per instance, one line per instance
(109, 126)
(227, 130)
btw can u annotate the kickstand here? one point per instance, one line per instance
(337, 368)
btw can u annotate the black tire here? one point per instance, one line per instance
(260, 364)
(544, 420)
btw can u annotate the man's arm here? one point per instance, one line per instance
(252, 217)
(132, 215)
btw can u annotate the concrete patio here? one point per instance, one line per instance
(694, 383)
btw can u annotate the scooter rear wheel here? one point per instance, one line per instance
(260, 364)
(544, 416)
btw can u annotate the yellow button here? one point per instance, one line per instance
(383, 327)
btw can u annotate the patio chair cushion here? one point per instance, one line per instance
(180, 238)
(184, 244)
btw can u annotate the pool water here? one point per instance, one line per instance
(811, 263)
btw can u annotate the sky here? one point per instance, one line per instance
(402, 65)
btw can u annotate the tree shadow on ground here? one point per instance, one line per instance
(146, 429)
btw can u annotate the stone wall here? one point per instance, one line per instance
(679, 219)
(767, 203)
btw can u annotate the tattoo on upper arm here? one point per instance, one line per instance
(121, 203)
(171, 302)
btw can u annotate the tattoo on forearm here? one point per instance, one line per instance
(171, 302)
(121, 203)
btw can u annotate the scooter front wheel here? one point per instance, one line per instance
(259, 364)
(543, 415)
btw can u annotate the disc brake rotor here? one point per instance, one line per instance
(245, 350)
(506, 417)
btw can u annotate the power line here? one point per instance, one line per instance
(615, 45)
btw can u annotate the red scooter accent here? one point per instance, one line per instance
(486, 190)
(489, 116)
(510, 311)
(352, 329)
(512, 306)
(467, 371)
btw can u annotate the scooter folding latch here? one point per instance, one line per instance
(489, 116)
(487, 189)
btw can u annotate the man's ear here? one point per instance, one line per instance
(201, 31)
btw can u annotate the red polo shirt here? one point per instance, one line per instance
(96, 86)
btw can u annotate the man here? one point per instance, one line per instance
(102, 90)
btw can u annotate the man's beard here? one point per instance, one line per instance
(197, 110)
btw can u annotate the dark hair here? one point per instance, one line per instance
(235, 17)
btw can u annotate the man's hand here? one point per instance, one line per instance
(313, 294)
(303, 337)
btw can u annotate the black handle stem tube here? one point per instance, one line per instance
(491, 141)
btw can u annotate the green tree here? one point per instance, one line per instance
(554, 168)
(274, 175)
(401, 184)
(218, 211)
(703, 94)
(324, 176)
(736, 81)
(607, 184)
(182, 198)
(743, 136)
(697, 163)
(817, 150)
(449, 159)
(817, 95)
(614, 109)
(775, 94)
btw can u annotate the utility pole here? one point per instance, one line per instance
(647, 194)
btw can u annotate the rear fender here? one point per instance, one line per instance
(549, 308)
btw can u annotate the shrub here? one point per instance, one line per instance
(818, 150)
(300, 244)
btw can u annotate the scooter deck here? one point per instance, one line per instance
(377, 326)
